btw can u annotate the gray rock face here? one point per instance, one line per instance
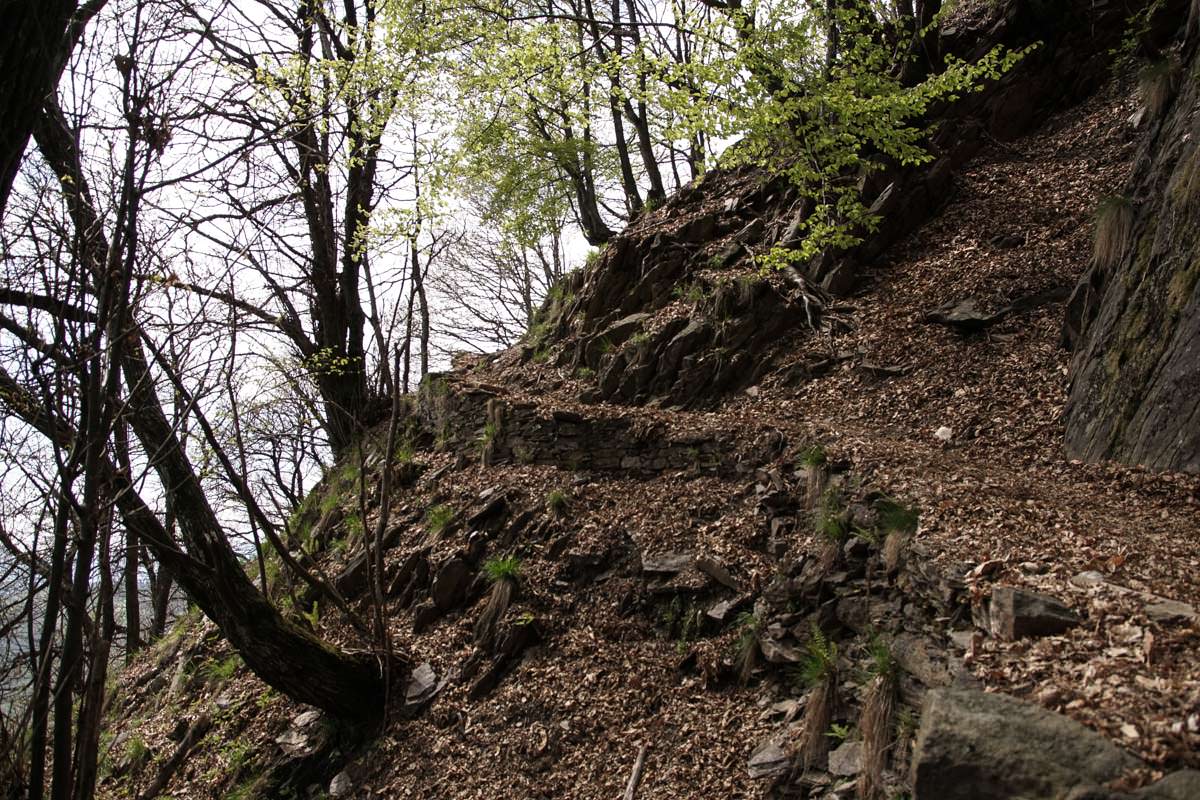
(1016, 613)
(978, 746)
(1135, 324)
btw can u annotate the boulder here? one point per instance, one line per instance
(978, 746)
(1016, 613)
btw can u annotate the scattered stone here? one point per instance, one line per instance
(962, 639)
(666, 563)
(292, 741)
(1170, 611)
(963, 316)
(422, 684)
(778, 652)
(913, 654)
(717, 571)
(340, 786)
(425, 615)
(724, 610)
(846, 760)
(1016, 613)
(1181, 785)
(943, 434)
(768, 760)
(1086, 580)
(978, 746)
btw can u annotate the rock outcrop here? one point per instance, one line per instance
(1135, 382)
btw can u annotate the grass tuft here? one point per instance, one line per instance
(438, 518)
(1157, 82)
(556, 502)
(1114, 231)
(819, 671)
(746, 657)
(503, 568)
(813, 456)
(894, 516)
(216, 672)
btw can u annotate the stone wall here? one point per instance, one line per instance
(481, 422)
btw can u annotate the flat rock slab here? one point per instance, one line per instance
(667, 563)
(769, 760)
(978, 746)
(1016, 613)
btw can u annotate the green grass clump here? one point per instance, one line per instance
(813, 456)
(746, 655)
(693, 293)
(556, 502)
(216, 672)
(438, 518)
(832, 521)
(136, 749)
(894, 516)
(502, 568)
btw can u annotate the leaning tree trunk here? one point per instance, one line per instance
(287, 657)
(284, 655)
(33, 49)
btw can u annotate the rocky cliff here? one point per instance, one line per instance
(1135, 379)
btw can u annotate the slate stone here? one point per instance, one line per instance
(1168, 611)
(717, 571)
(666, 563)
(340, 786)
(421, 685)
(769, 760)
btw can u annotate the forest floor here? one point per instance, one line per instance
(999, 503)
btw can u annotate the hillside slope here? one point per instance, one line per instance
(849, 464)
